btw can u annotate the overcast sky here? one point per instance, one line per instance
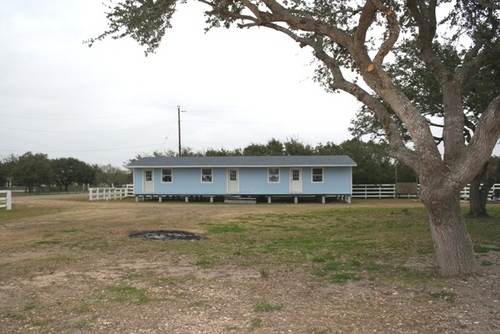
(108, 103)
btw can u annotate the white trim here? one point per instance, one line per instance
(242, 166)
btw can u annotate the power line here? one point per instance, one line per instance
(82, 118)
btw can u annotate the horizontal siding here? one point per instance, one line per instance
(252, 181)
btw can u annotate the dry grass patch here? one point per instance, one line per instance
(69, 265)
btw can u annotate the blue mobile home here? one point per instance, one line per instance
(244, 176)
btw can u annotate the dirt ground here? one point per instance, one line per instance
(185, 298)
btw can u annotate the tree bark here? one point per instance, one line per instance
(452, 243)
(478, 195)
(477, 198)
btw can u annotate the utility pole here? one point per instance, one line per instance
(179, 127)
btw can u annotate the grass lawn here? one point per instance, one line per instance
(68, 265)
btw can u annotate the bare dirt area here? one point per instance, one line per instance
(70, 267)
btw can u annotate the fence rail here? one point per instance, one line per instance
(374, 191)
(99, 194)
(6, 199)
(389, 191)
(358, 191)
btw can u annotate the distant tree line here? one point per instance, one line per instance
(374, 166)
(35, 170)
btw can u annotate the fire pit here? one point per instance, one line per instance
(166, 235)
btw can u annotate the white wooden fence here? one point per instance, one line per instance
(389, 191)
(99, 194)
(358, 191)
(374, 191)
(6, 199)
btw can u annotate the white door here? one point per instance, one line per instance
(233, 183)
(149, 185)
(295, 180)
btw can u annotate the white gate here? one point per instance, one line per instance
(6, 199)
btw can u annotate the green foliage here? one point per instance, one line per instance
(422, 88)
(36, 170)
(109, 175)
(68, 171)
(143, 20)
(32, 170)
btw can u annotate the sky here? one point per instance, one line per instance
(109, 103)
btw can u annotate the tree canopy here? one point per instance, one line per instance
(354, 43)
(36, 170)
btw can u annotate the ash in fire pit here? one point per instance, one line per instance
(167, 235)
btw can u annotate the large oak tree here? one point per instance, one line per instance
(410, 73)
(353, 41)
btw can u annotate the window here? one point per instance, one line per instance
(317, 175)
(166, 175)
(149, 175)
(274, 175)
(206, 175)
(233, 175)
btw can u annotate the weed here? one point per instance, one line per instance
(82, 309)
(256, 323)
(343, 277)
(266, 307)
(225, 229)
(481, 249)
(264, 273)
(204, 263)
(450, 297)
(40, 322)
(325, 331)
(129, 293)
(29, 306)
(484, 249)
(71, 230)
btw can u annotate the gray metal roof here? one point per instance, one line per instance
(246, 161)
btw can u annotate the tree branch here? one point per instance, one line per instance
(488, 4)
(426, 22)
(483, 138)
(388, 44)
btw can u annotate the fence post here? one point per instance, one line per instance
(9, 200)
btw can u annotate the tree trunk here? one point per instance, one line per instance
(454, 248)
(477, 198)
(478, 195)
